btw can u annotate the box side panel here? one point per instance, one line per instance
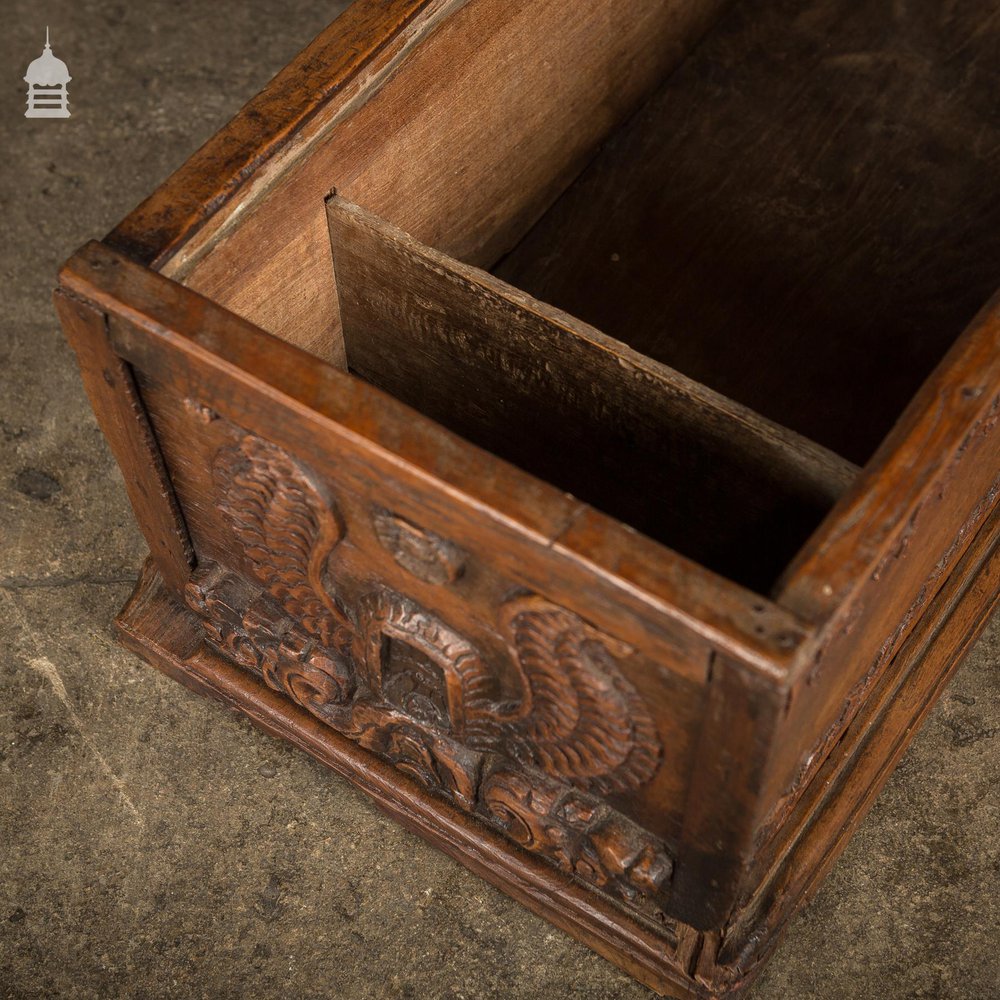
(667, 956)
(111, 388)
(785, 874)
(487, 635)
(874, 567)
(408, 588)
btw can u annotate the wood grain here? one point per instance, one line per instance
(220, 172)
(209, 354)
(637, 746)
(463, 140)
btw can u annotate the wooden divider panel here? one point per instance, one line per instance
(582, 411)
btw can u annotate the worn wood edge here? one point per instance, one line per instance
(155, 627)
(798, 854)
(763, 635)
(267, 126)
(825, 739)
(362, 86)
(822, 471)
(118, 408)
(933, 479)
(841, 555)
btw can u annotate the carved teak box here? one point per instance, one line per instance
(579, 431)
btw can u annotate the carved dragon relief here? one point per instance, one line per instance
(394, 678)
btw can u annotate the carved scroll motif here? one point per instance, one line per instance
(404, 685)
(250, 628)
(579, 719)
(578, 832)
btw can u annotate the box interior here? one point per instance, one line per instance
(576, 408)
(798, 215)
(804, 216)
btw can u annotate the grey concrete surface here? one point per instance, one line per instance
(152, 845)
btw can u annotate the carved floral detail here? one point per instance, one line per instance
(406, 686)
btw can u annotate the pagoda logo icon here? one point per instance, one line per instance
(47, 80)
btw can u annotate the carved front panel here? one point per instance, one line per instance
(533, 756)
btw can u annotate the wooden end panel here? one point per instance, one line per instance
(359, 558)
(871, 571)
(786, 873)
(735, 744)
(121, 416)
(666, 956)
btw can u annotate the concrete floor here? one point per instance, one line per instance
(152, 845)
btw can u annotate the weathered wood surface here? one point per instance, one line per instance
(635, 584)
(869, 572)
(120, 414)
(728, 742)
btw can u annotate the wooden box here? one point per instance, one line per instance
(632, 618)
